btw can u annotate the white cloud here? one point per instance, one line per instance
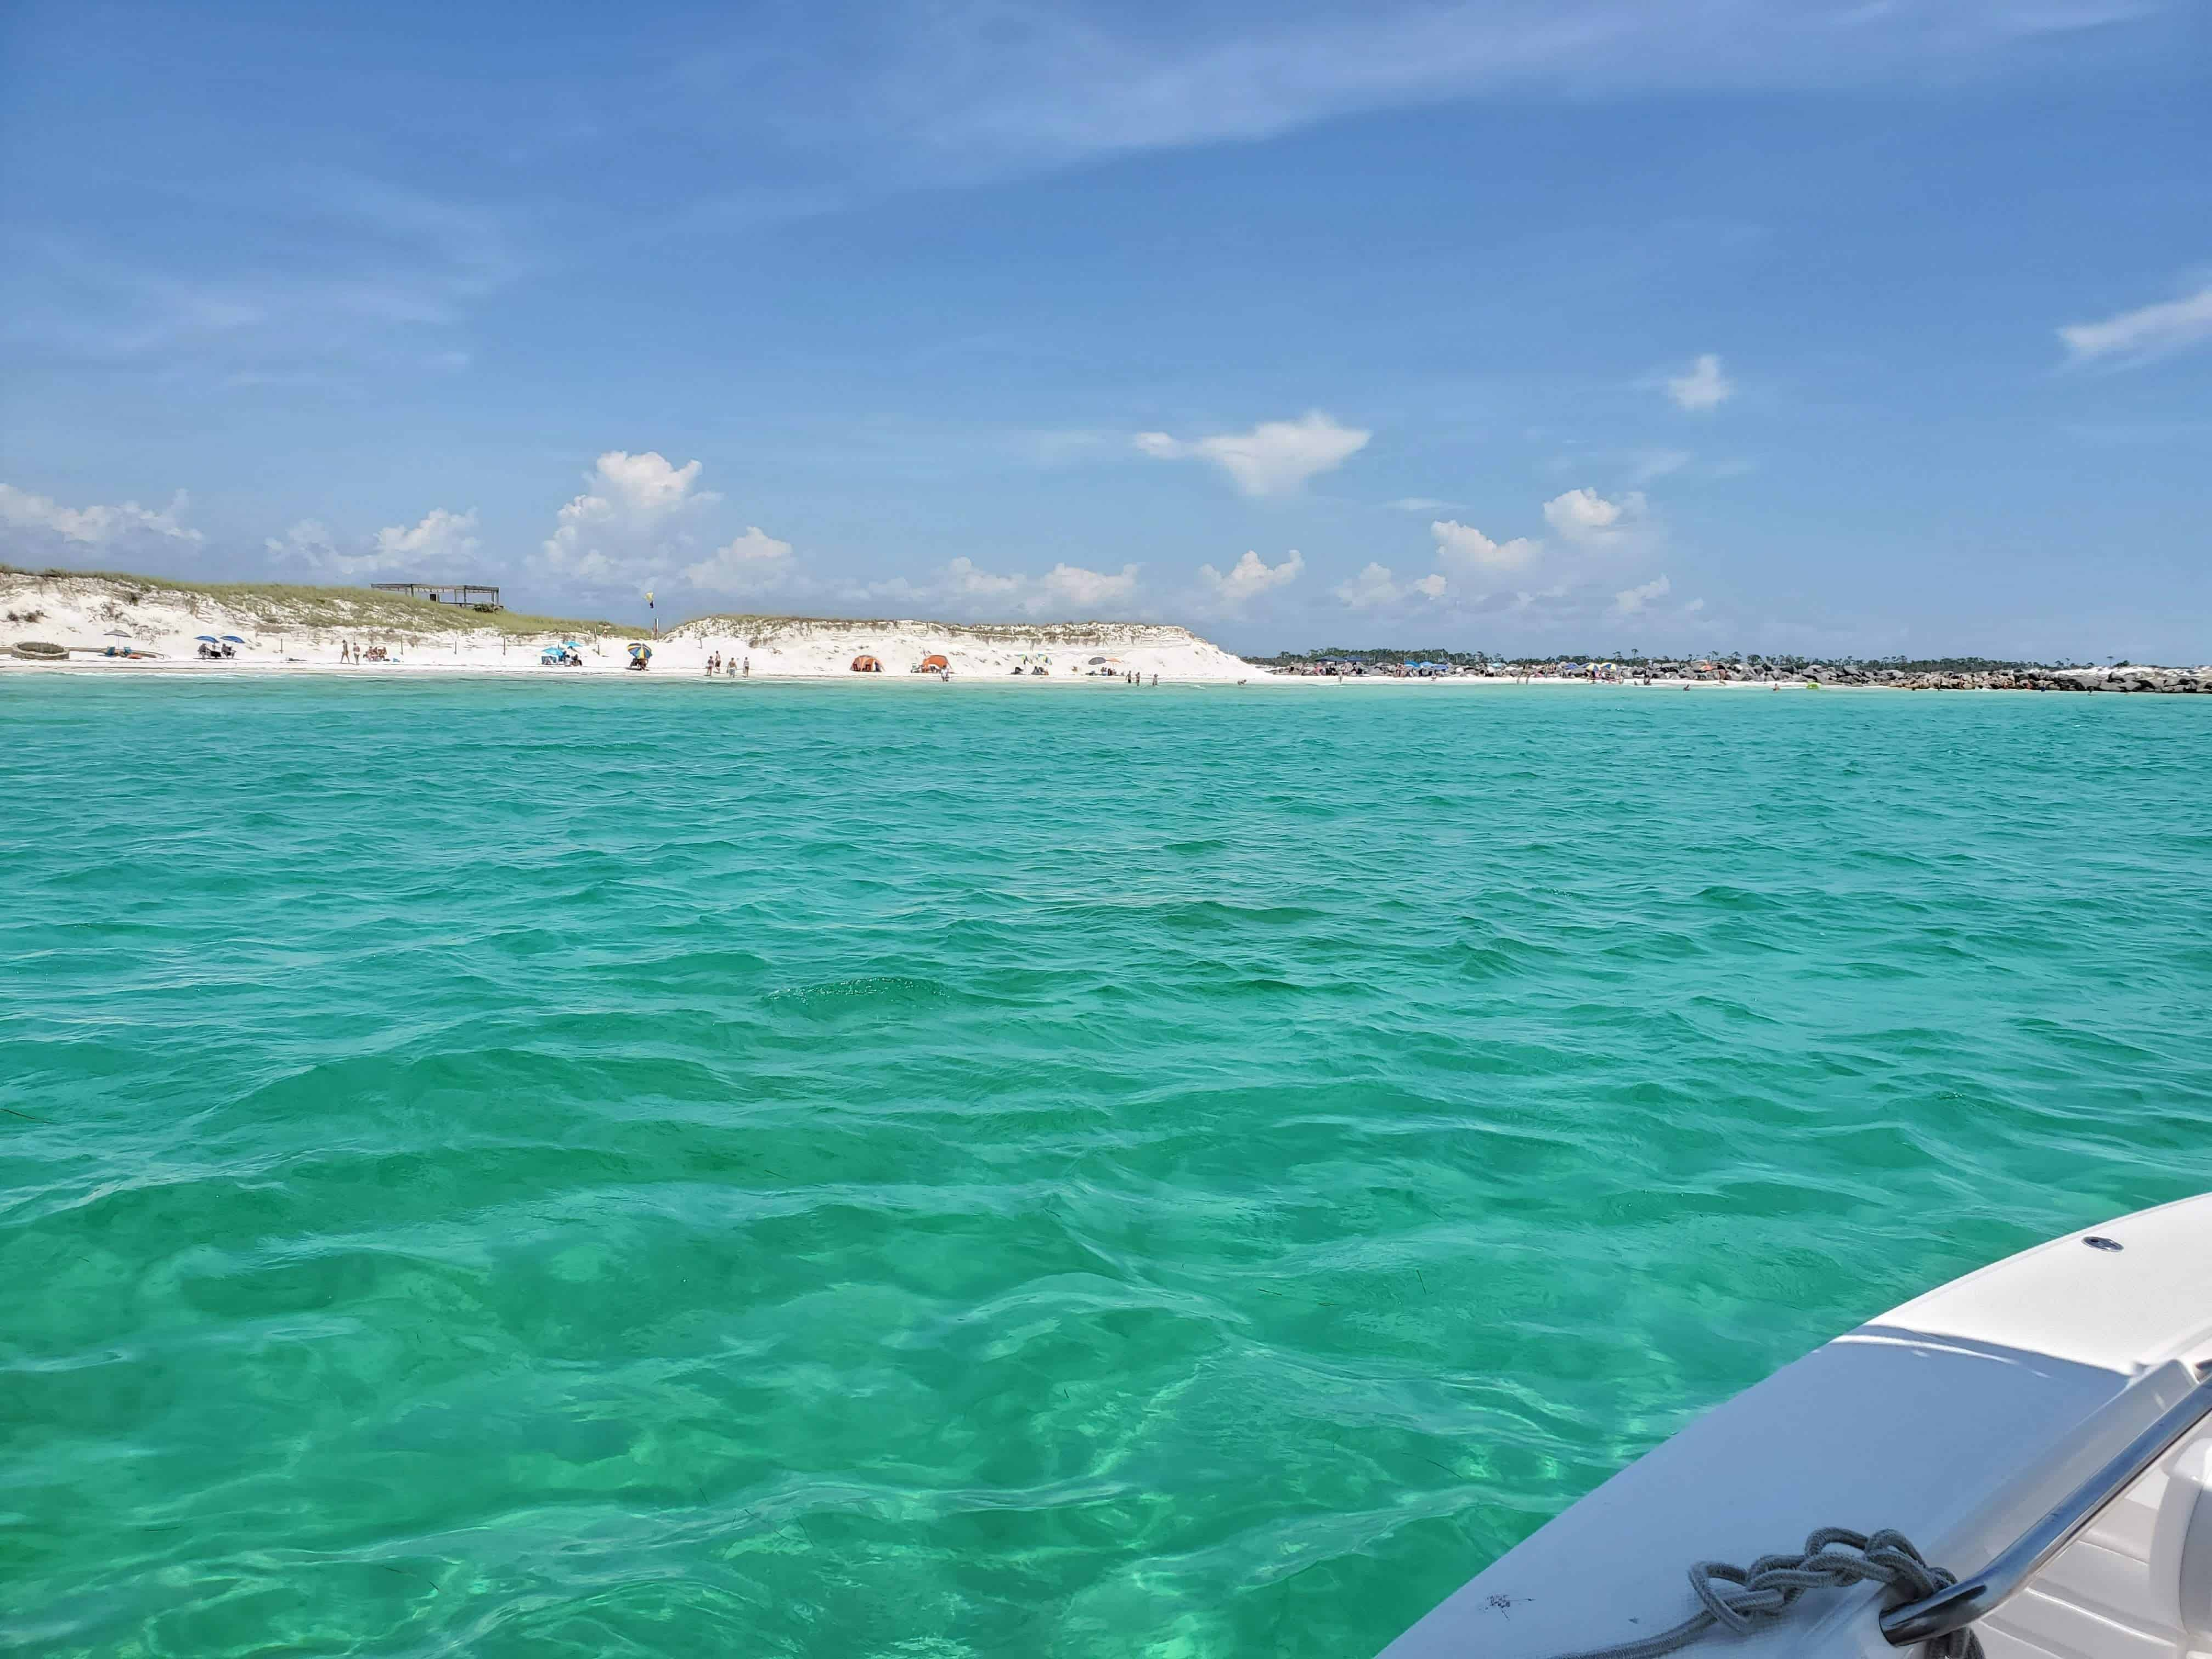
(1588, 520)
(308, 542)
(1249, 578)
(620, 530)
(753, 560)
(1372, 588)
(1703, 388)
(439, 545)
(1065, 587)
(30, 523)
(1463, 545)
(442, 538)
(1275, 457)
(2137, 336)
(1376, 588)
(648, 484)
(1630, 600)
(1419, 504)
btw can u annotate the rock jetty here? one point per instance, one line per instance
(2125, 678)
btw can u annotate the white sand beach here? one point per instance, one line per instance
(65, 622)
(95, 620)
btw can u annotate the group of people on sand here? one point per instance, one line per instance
(349, 652)
(727, 666)
(1138, 678)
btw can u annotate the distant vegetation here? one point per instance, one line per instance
(1382, 653)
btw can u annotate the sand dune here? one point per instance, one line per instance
(285, 627)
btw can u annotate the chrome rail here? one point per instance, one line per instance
(1976, 1597)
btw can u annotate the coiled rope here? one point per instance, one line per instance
(1739, 1600)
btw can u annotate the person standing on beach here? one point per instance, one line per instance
(749, 668)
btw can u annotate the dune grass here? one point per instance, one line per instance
(290, 605)
(299, 605)
(1055, 633)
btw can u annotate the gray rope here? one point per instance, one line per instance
(1738, 1599)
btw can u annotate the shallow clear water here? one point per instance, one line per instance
(524, 1169)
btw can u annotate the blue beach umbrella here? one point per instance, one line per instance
(210, 639)
(232, 639)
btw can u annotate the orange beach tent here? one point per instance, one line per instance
(933, 662)
(866, 665)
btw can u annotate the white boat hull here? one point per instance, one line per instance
(1957, 1420)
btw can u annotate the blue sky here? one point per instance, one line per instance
(1686, 324)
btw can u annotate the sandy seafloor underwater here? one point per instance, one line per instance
(523, 1168)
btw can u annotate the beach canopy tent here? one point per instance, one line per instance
(935, 660)
(865, 664)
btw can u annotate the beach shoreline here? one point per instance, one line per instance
(77, 623)
(427, 667)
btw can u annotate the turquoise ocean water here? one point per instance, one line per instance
(552, 1168)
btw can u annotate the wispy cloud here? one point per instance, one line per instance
(2145, 333)
(1651, 463)
(1275, 457)
(982, 84)
(1703, 388)
(322, 267)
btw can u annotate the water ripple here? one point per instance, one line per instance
(520, 1168)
